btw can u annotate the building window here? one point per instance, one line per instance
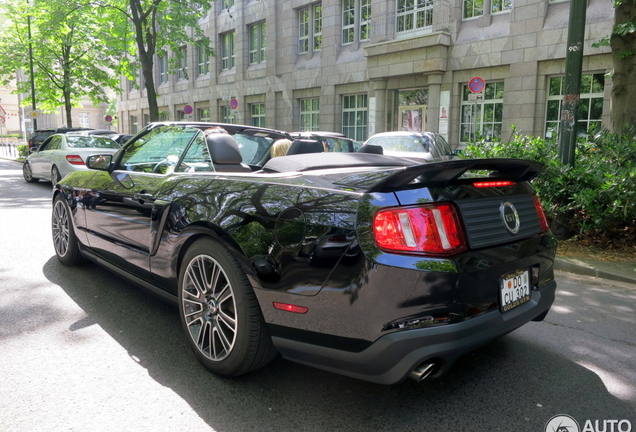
(473, 8)
(355, 14)
(203, 61)
(227, 113)
(501, 6)
(257, 114)
(309, 114)
(355, 117)
(164, 116)
(84, 120)
(482, 118)
(163, 67)
(134, 124)
(414, 15)
(228, 51)
(203, 114)
(590, 104)
(182, 63)
(258, 42)
(310, 29)
(228, 4)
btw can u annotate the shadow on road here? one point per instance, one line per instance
(511, 384)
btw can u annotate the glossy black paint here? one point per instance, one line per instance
(306, 239)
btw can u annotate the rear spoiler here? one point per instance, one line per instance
(439, 174)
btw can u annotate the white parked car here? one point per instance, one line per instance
(427, 146)
(61, 154)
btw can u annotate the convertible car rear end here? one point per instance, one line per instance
(366, 265)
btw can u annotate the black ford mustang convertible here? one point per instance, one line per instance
(367, 265)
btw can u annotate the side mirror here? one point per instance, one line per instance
(99, 162)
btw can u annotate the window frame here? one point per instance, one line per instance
(228, 43)
(310, 28)
(355, 107)
(163, 68)
(488, 104)
(309, 114)
(257, 34)
(182, 63)
(203, 61)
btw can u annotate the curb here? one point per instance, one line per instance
(570, 266)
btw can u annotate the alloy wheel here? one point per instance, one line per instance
(61, 225)
(209, 308)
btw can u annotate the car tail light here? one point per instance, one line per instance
(74, 159)
(431, 229)
(542, 219)
(495, 183)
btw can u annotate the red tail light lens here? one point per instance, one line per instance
(291, 308)
(542, 219)
(433, 230)
(75, 159)
(497, 183)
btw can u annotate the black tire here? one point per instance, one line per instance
(64, 239)
(28, 174)
(219, 312)
(55, 176)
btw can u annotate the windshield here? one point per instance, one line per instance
(402, 143)
(90, 142)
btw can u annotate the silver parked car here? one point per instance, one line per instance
(61, 154)
(427, 146)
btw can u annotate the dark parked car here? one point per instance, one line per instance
(39, 135)
(367, 265)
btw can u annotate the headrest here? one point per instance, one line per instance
(223, 149)
(371, 148)
(302, 146)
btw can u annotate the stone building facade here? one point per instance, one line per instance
(366, 66)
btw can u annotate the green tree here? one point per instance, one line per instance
(156, 27)
(623, 44)
(72, 52)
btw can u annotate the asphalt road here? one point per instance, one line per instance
(82, 350)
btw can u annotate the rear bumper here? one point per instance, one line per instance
(392, 357)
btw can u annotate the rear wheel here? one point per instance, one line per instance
(55, 176)
(28, 174)
(220, 313)
(64, 239)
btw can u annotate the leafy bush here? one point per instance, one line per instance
(23, 150)
(595, 197)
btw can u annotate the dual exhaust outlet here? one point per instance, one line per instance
(423, 371)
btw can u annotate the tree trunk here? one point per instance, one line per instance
(623, 110)
(146, 38)
(147, 69)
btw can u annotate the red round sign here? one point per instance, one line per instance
(108, 118)
(476, 85)
(188, 109)
(233, 103)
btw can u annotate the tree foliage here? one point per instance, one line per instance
(72, 52)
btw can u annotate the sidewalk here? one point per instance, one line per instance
(624, 271)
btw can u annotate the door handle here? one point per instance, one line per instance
(144, 197)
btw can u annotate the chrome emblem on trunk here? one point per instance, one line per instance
(510, 217)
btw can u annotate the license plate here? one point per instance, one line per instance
(514, 290)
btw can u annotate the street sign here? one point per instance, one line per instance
(233, 103)
(475, 97)
(2, 120)
(188, 109)
(108, 118)
(34, 114)
(476, 84)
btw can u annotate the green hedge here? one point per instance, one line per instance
(598, 194)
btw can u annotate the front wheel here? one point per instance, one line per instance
(220, 313)
(28, 174)
(64, 239)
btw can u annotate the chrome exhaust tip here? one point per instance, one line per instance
(422, 372)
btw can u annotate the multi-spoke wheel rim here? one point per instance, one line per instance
(55, 176)
(209, 308)
(61, 225)
(26, 170)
